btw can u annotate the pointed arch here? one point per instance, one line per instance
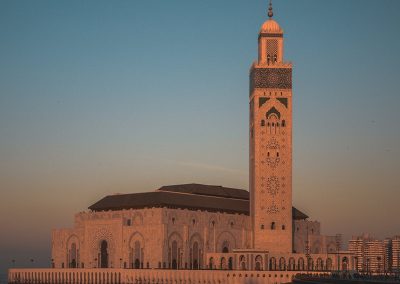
(226, 242)
(196, 251)
(272, 263)
(136, 250)
(175, 250)
(72, 248)
(273, 112)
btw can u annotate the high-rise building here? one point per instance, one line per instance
(396, 254)
(375, 256)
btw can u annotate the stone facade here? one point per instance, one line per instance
(165, 238)
(307, 238)
(148, 238)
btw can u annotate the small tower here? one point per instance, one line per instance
(270, 140)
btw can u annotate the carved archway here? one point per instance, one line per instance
(196, 251)
(73, 246)
(136, 250)
(175, 251)
(226, 242)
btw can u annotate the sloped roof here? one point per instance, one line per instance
(171, 200)
(186, 196)
(209, 190)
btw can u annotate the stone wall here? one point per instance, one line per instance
(148, 238)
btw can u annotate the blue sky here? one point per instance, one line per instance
(99, 97)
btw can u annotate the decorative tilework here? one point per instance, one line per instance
(279, 78)
(262, 101)
(283, 101)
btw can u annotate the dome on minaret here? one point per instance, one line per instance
(271, 26)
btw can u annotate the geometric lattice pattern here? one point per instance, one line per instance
(273, 185)
(272, 48)
(280, 78)
(273, 209)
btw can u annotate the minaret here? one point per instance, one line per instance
(271, 142)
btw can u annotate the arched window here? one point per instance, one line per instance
(262, 122)
(262, 227)
(212, 223)
(225, 247)
(273, 226)
(283, 227)
(211, 263)
(175, 254)
(320, 264)
(282, 264)
(292, 264)
(104, 254)
(223, 263)
(242, 262)
(258, 262)
(329, 264)
(283, 123)
(300, 264)
(128, 222)
(230, 263)
(345, 264)
(272, 263)
(137, 255)
(196, 256)
(310, 264)
(73, 256)
(275, 58)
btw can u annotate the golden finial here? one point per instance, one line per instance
(270, 13)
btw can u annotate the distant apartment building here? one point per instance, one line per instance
(396, 254)
(375, 256)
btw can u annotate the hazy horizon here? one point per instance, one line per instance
(101, 97)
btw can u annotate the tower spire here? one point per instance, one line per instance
(270, 12)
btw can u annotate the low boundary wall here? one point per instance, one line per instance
(147, 276)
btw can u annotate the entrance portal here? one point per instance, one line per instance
(104, 254)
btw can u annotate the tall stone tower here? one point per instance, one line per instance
(271, 142)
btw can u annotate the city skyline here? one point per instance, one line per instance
(84, 117)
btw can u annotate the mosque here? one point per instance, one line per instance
(208, 227)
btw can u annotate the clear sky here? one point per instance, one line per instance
(101, 97)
